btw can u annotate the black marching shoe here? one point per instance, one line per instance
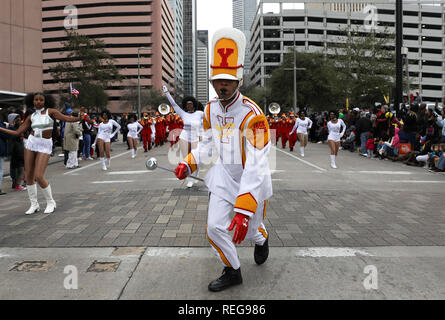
(230, 277)
(261, 252)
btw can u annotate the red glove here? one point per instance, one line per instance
(242, 225)
(181, 171)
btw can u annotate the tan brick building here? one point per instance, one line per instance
(20, 49)
(124, 26)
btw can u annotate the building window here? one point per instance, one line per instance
(271, 21)
(271, 57)
(271, 33)
(271, 45)
(432, 63)
(314, 19)
(293, 19)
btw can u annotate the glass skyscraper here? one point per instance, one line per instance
(189, 31)
(178, 13)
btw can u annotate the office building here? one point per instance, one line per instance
(243, 13)
(317, 27)
(202, 66)
(20, 50)
(124, 26)
(189, 28)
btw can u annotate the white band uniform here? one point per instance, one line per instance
(39, 123)
(219, 217)
(105, 130)
(41, 145)
(336, 130)
(134, 129)
(192, 121)
(301, 126)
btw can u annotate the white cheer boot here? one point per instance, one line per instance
(333, 162)
(50, 203)
(104, 167)
(302, 151)
(32, 193)
(108, 162)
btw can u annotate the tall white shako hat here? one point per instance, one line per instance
(229, 47)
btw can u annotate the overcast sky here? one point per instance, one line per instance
(213, 15)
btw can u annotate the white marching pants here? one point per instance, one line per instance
(220, 216)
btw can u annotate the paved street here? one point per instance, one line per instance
(152, 228)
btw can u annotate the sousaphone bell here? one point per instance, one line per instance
(274, 108)
(164, 109)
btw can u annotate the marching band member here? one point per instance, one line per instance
(302, 125)
(283, 130)
(189, 138)
(146, 132)
(103, 137)
(292, 135)
(236, 129)
(134, 128)
(39, 147)
(336, 129)
(274, 128)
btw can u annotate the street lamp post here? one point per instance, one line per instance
(139, 80)
(295, 72)
(399, 62)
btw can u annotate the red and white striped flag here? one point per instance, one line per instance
(74, 90)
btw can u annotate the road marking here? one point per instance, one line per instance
(415, 181)
(117, 181)
(382, 172)
(128, 172)
(97, 162)
(304, 161)
(331, 252)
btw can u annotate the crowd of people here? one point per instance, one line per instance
(88, 138)
(413, 134)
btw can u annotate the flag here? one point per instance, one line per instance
(73, 90)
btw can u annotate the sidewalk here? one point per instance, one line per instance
(146, 273)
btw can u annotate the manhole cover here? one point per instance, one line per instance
(97, 266)
(27, 266)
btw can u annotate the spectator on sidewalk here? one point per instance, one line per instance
(410, 127)
(16, 151)
(73, 131)
(370, 145)
(364, 127)
(441, 123)
(440, 165)
(3, 148)
(87, 133)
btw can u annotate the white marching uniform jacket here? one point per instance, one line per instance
(238, 136)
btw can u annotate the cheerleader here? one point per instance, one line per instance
(39, 147)
(302, 124)
(336, 129)
(189, 138)
(134, 128)
(104, 136)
